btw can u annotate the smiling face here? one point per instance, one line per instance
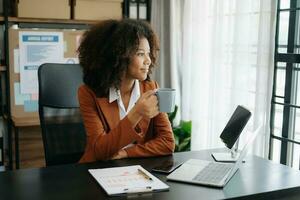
(139, 63)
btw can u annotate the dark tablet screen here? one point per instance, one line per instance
(235, 126)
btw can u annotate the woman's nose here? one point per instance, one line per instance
(147, 60)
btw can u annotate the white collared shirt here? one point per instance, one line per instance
(116, 95)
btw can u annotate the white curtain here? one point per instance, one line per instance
(221, 56)
(160, 21)
(166, 20)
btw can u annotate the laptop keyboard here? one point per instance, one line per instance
(213, 172)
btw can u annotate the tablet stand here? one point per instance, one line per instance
(230, 156)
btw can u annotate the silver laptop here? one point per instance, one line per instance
(210, 173)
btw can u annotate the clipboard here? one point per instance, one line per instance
(133, 179)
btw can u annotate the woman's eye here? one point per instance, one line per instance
(140, 54)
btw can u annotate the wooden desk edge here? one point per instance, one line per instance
(25, 121)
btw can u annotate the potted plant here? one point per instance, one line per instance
(182, 132)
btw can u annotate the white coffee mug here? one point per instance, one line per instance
(166, 99)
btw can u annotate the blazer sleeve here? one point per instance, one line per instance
(100, 144)
(162, 144)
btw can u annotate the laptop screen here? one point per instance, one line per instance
(235, 126)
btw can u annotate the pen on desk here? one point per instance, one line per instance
(144, 174)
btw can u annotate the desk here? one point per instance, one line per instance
(16, 123)
(257, 179)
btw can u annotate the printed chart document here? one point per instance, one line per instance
(37, 48)
(127, 180)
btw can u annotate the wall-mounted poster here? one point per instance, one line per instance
(37, 48)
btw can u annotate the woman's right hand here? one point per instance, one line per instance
(146, 106)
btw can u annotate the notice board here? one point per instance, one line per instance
(24, 107)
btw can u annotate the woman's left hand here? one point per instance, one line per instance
(121, 154)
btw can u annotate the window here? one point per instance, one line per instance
(285, 109)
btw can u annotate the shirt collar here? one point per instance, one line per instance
(115, 94)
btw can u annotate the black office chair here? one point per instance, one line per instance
(62, 127)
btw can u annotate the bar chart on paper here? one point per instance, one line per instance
(130, 179)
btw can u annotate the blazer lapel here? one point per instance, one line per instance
(110, 111)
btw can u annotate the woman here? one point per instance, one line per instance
(117, 101)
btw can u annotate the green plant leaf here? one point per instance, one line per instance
(186, 126)
(176, 140)
(177, 131)
(185, 144)
(182, 133)
(172, 115)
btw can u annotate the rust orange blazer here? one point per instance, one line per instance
(107, 134)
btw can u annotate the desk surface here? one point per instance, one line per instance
(257, 179)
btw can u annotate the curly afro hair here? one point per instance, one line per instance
(106, 49)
